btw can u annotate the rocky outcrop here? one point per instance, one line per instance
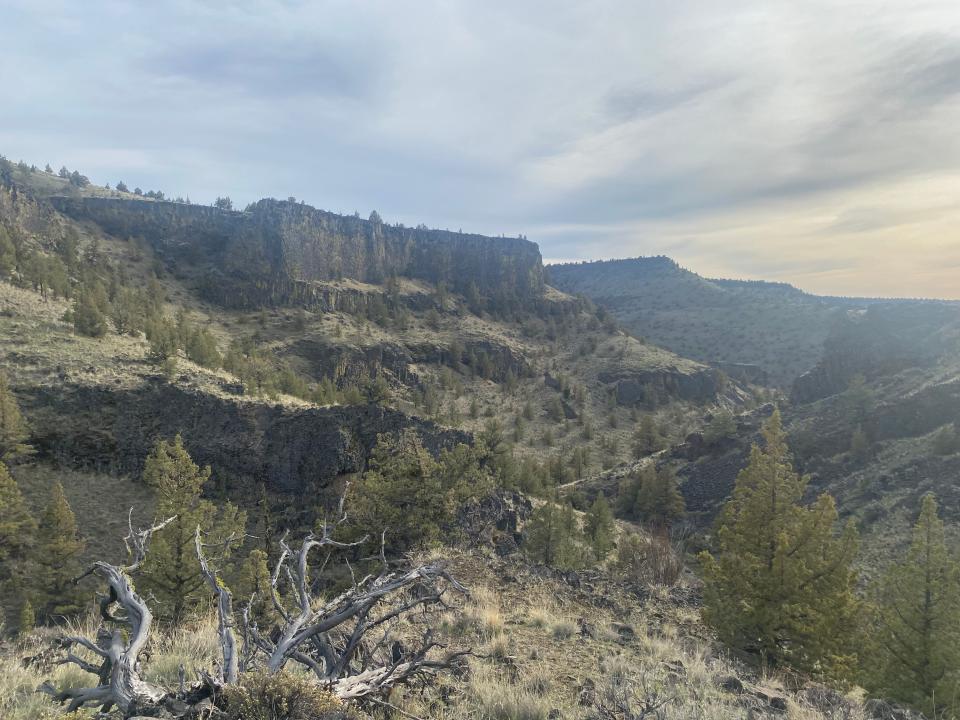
(495, 520)
(743, 372)
(273, 252)
(487, 358)
(657, 386)
(883, 340)
(294, 451)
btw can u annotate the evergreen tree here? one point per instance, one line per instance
(13, 428)
(57, 558)
(8, 253)
(17, 525)
(918, 622)
(722, 426)
(947, 440)
(781, 583)
(253, 583)
(26, 620)
(163, 337)
(401, 493)
(552, 536)
(647, 438)
(171, 570)
(659, 501)
(88, 312)
(201, 347)
(126, 312)
(651, 495)
(600, 528)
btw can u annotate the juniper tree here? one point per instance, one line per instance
(552, 536)
(651, 495)
(781, 582)
(401, 492)
(16, 523)
(252, 585)
(172, 571)
(647, 438)
(722, 426)
(599, 527)
(13, 428)
(659, 501)
(917, 635)
(56, 559)
(8, 253)
(89, 312)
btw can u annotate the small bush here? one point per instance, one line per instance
(283, 697)
(498, 700)
(563, 630)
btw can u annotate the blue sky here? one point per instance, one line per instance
(807, 141)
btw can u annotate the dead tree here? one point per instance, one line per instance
(374, 635)
(225, 618)
(119, 682)
(347, 641)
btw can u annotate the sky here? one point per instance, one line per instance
(808, 141)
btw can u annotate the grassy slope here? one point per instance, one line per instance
(540, 646)
(776, 327)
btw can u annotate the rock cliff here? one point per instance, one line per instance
(273, 252)
(293, 450)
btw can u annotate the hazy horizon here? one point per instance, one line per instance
(807, 143)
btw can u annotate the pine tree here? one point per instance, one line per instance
(722, 426)
(13, 428)
(172, 571)
(659, 501)
(401, 493)
(253, 583)
(599, 527)
(552, 536)
(57, 558)
(17, 529)
(8, 253)
(781, 583)
(88, 315)
(647, 438)
(17, 526)
(26, 619)
(651, 495)
(918, 621)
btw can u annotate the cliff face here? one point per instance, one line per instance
(273, 252)
(885, 339)
(294, 451)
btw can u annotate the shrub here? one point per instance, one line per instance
(654, 559)
(282, 697)
(563, 630)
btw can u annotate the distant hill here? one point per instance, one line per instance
(774, 326)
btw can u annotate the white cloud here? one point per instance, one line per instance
(745, 135)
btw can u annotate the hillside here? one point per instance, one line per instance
(775, 331)
(299, 354)
(333, 349)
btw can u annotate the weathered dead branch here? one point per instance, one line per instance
(119, 682)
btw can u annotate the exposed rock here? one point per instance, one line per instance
(882, 710)
(743, 372)
(496, 520)
(652, 387)
(731, 684)
(294, 450)
(272, 253)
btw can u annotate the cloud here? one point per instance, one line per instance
(744, 136)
